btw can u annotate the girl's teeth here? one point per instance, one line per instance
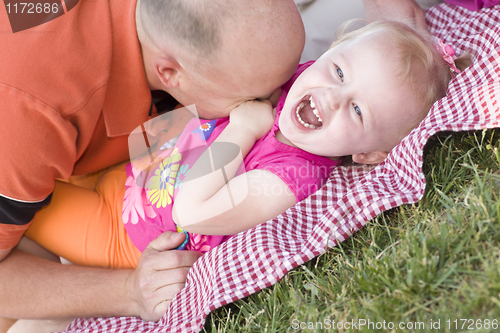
(316, 113)
(312, 103)
(297, 112)
(313, 106)
(299, 107)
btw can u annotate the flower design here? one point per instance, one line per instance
(148, 162)
(205, 130)
(161, 185)
(198, 243)
(181, 175)
(135, 203)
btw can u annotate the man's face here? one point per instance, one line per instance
(218, 90)
(254, 59)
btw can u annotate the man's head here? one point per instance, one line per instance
(217, 54)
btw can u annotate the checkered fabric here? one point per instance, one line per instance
(258, 258)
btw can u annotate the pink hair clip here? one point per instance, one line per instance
(448, 54)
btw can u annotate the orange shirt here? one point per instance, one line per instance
(71, 90)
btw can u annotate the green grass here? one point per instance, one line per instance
(430, 262)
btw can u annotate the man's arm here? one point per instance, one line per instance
(4, 253)
(395, 9)
(31, 287)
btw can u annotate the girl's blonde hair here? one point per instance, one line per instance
(419, 62)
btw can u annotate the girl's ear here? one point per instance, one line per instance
(372, 157)
(168, 71)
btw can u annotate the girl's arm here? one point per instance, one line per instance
(217, 202)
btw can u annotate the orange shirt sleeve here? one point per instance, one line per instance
(11, 234)
(38, 146)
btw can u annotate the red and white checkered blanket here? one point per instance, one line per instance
(258, 258)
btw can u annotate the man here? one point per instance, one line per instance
(76, 82)
(71, 90)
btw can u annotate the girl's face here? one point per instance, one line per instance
(351, 101)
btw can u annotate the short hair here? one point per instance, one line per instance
(419, 62)
(194, 25)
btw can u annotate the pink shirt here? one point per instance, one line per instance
(149, 196)
(474, 4)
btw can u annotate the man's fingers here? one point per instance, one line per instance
(160, 300)
(160, 274)
(167, 293)
(173, 276)
(161, 308)
(168, 240)
(156, 286)
(158, 261)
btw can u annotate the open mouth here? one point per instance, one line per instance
(307, 114)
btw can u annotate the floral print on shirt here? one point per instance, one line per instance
(135, 203)
(160, 187)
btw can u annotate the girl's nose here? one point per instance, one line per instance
(333, 98)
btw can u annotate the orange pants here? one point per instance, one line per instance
(83, 222)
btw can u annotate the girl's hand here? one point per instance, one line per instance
(255, 116)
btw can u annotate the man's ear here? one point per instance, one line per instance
(168, 71)
(372, 157)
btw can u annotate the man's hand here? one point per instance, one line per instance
(160, 274)
(408, 10)
(69, 291)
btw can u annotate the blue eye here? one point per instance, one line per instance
(340, 73)
(358, 110)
